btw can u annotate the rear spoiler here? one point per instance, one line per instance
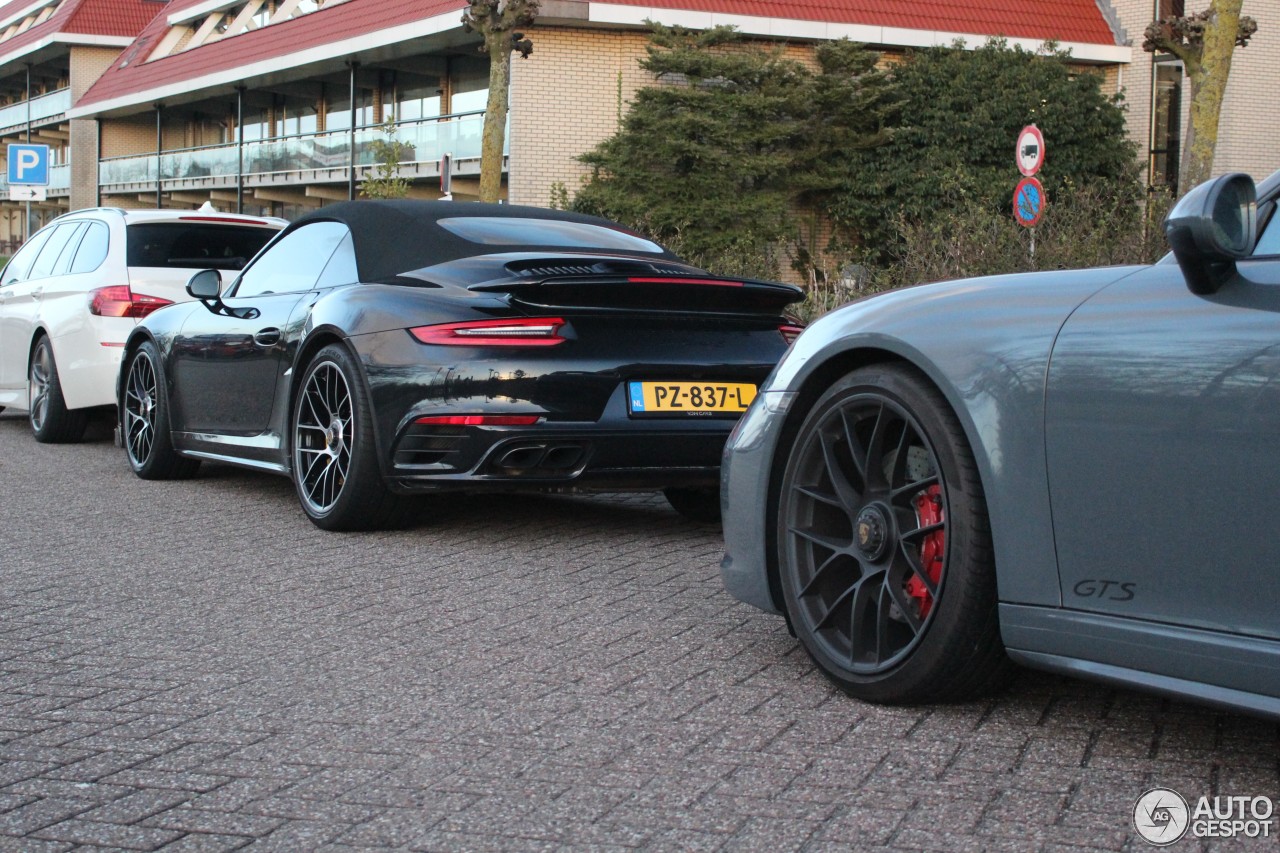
(682, 293)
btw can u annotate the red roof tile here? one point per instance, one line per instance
(1063, 20)
(122, 18)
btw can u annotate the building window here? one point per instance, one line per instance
(1166, 124)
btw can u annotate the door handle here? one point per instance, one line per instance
(36, 291)
(267, 337)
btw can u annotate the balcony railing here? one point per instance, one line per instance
(59, 180)
(458, 135)
(43, 107)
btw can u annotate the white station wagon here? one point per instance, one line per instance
(72, 293)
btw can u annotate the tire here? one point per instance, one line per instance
(335, 465)
(695, 504)
(144, 420)
(885, 556)
(51, 421)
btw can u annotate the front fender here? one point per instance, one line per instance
(986, 345)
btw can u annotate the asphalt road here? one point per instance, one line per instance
(195, 666)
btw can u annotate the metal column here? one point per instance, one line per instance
(240, 149)
(351, 137)
(159, 150)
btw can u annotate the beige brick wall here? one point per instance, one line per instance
(1248, 134)
(564, 102)
(130, 135)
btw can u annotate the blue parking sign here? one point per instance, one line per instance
(29, 165)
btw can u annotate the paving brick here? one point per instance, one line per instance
(510, 673)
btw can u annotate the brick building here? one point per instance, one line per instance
(270, 106)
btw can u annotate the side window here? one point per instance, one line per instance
(93, 248)
(294, 263)
(64, 259)
(20, 264)
(341, 268)
(52, 249)
(1269, 242)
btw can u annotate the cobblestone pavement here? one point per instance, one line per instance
(194, 666)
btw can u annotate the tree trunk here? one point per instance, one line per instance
(495, 116)
(1208, 78)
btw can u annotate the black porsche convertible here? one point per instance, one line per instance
(379, 349)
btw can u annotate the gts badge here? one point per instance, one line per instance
(1105, 590)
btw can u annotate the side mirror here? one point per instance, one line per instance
(1212, 227)
(206, 284)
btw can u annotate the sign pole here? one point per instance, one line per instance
(1028, 195)
(27, 231)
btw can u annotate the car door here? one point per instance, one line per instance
(228, 364)
(22, 296)
(1162, 423)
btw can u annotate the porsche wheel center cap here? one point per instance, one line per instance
(871, 530)
(333, 436)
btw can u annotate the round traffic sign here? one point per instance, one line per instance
(1029, 154)
(1028, 202)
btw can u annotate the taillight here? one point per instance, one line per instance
(790, 332)
(713, 282)
(118, 300)
(517, 332)
(478, 420)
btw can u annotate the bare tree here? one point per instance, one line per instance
(1205, 42)
(498, 23)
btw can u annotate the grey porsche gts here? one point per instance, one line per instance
(1071, 470)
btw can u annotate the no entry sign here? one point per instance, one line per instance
(1028, 202)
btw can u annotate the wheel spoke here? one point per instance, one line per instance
(835, 605)
(846, 493)
(834, 559)
(874, 450)
(821, 497)
(819, 539)
(893, 585)
(910, 490)
(867, 594)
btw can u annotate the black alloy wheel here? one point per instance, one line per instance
(884, 546)
(51, 421)
(335, 465)
(144, 421)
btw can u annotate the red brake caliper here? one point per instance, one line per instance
(932, 548)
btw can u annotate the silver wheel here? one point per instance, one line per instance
(323, 436)
(51, 420)
(41, 381)
(140, 409)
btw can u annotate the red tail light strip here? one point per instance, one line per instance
(478, 420)
(118, 300)
(790, 332)
(713, 282)
(225, 219)
(513, 332)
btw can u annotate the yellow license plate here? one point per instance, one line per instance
(689, 398)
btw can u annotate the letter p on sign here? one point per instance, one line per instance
(29, 165)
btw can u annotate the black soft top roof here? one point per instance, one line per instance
(398, 236)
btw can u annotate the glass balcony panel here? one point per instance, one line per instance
(427, 141)
(42, 108)
(60, 177)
